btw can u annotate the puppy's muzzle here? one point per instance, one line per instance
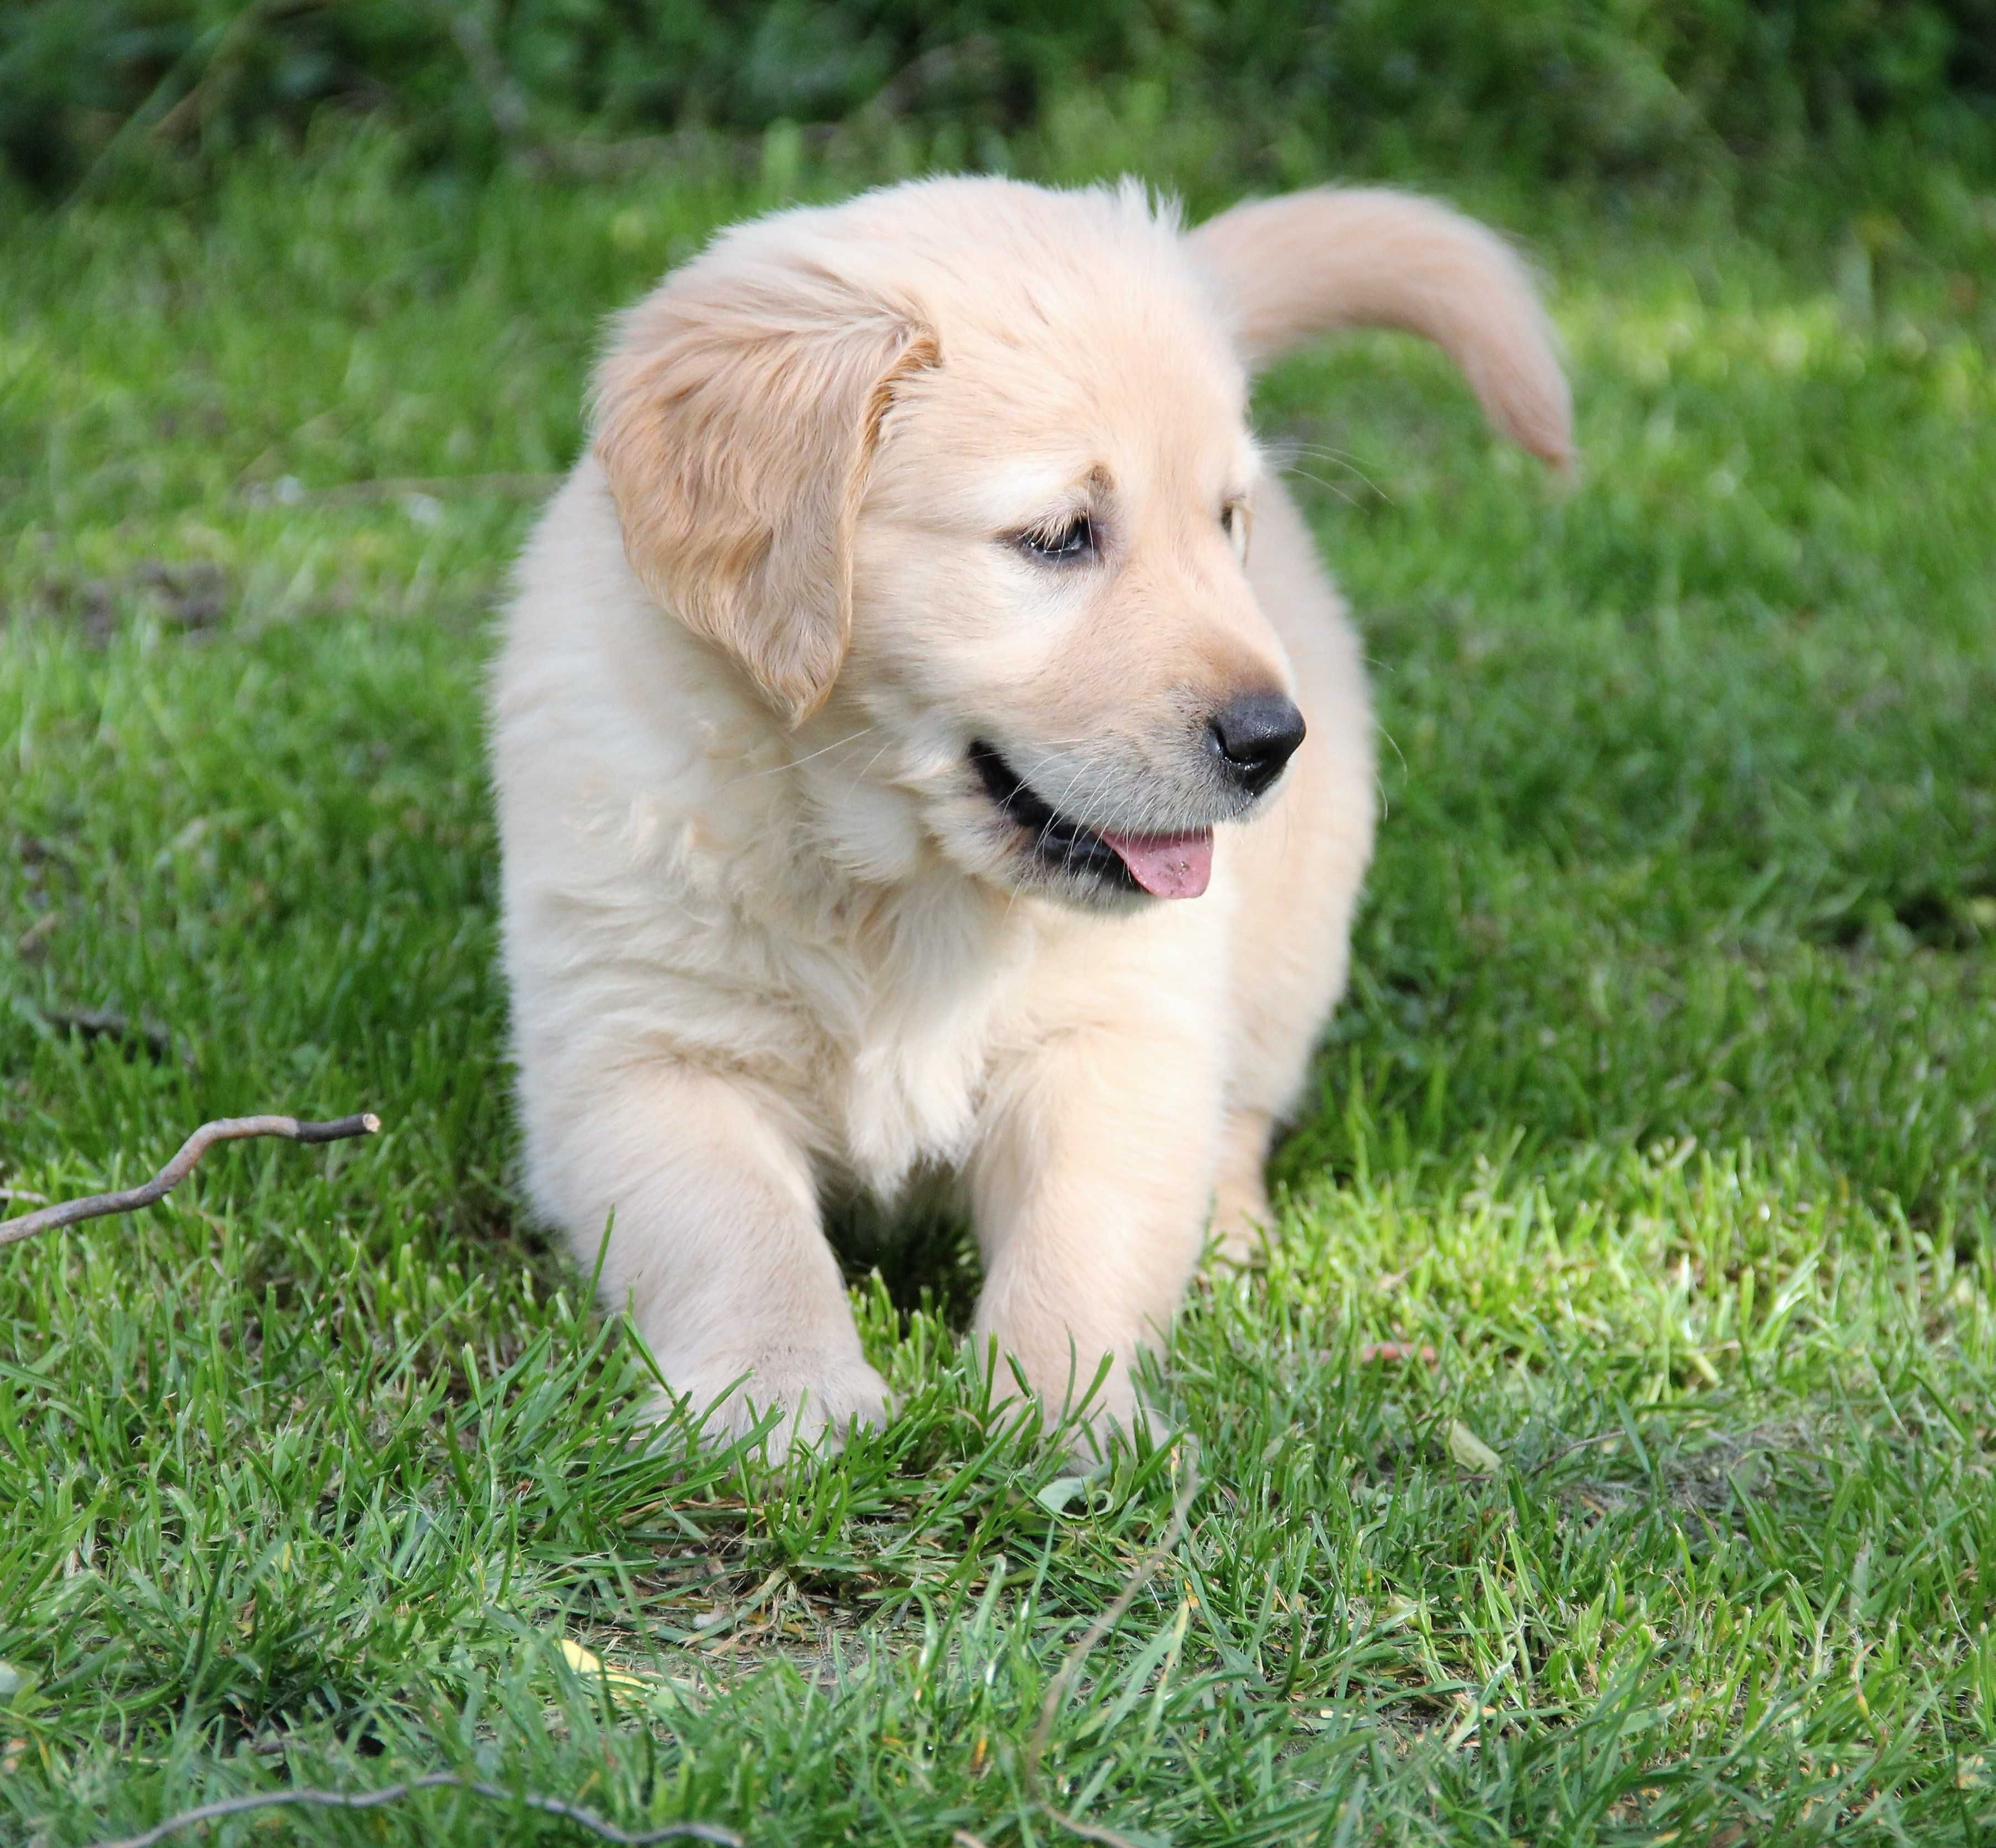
(1251, 739)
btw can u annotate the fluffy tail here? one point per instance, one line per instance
(1291, 267)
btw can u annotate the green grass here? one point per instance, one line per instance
(1664, 1110)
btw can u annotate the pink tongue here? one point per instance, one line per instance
(1171, 866)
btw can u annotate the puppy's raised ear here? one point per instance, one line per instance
(736, 413)
(1290, 267)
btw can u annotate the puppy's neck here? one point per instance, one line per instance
(860, 781)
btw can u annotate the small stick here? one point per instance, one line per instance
(227, 1129)
(603, 1830)
(1566, 1449)
(102, 1023)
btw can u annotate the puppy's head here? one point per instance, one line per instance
(959, 474)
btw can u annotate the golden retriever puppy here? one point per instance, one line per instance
(926, 745)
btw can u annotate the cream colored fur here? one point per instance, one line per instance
(767, 935)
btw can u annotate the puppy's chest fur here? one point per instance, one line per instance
(872, 1011)
(917, 1070)
(924, 993)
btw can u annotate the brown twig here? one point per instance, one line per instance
(602, 1829)
(1063, 1681)
(103, 1023)
(504, 100)
(227, 1129)
(194, 104)
(974, 56)
(1566, 1449)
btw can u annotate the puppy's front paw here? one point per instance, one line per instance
(820, 1395)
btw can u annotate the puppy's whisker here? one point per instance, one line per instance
(1060, 807)
(1288, 451)
(825, 750)
(1323, 452)
(1330, 486)
(1081, 771)
(792, 763)
(1051, 755)
(866, 768)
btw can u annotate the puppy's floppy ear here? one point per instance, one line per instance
(736, 413)
(1290, 267)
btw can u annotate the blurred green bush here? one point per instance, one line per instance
(1551, 87)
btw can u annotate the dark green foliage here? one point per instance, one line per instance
(1551, 87)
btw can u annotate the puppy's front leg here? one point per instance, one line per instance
(1091, 1188)
(717, 1247)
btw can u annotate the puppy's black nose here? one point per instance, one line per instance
(1253, 736)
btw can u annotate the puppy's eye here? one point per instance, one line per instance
(1233, 523)
(1073, 539)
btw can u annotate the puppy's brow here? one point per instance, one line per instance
(1028, 491)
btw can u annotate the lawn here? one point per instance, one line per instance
(1662, 1111)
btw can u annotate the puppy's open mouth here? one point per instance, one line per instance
(1169, 866)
